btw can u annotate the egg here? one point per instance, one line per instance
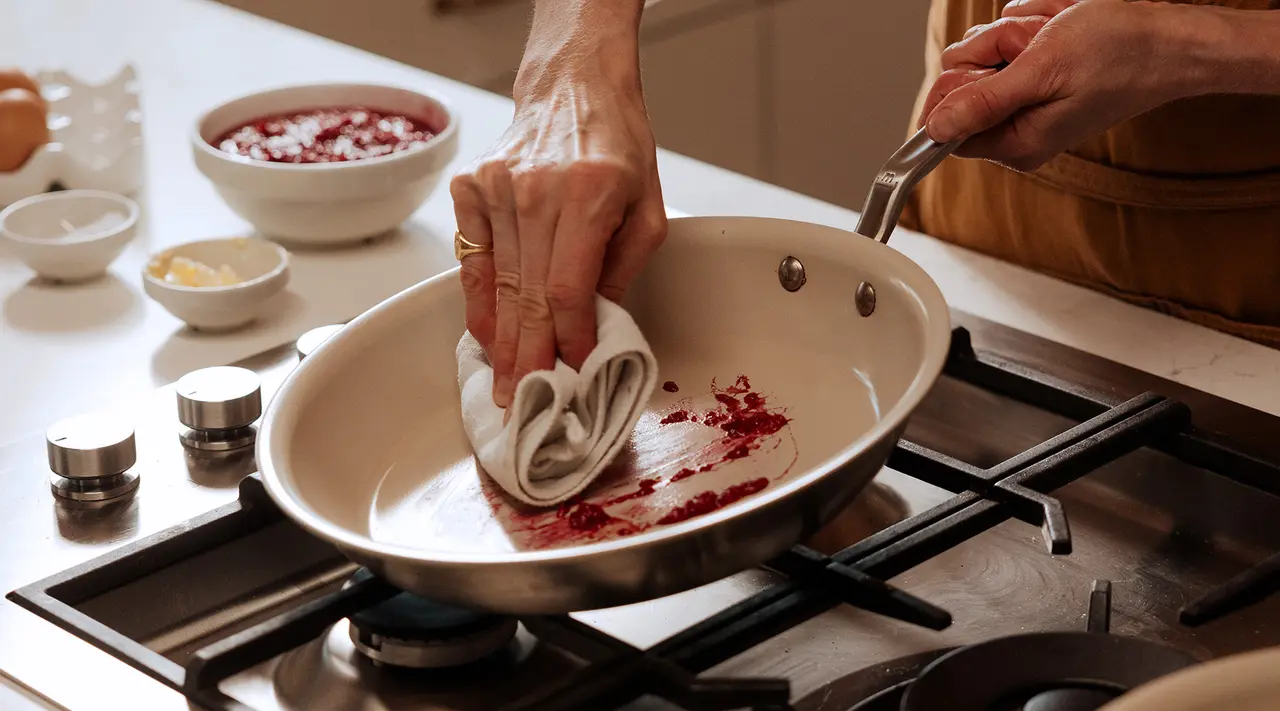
(14, 78)
(23, 127)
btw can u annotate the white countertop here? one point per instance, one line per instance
(64, 350)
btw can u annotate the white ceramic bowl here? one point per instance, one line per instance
(326, 203)
(263, 266)
(71, 235)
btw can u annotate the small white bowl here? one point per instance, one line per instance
(263, 266)
(71, 235)
(326, 203)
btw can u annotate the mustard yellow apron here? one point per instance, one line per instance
(1177, 210)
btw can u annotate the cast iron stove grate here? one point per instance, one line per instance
(617, 672)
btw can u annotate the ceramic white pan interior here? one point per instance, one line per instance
(1240, 682)
(364, 447)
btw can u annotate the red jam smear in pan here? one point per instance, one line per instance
(331, 135)
(745, 423)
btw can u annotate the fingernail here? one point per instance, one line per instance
(943, 125)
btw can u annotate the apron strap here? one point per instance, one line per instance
(1086, 178)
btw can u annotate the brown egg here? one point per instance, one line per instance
(14, 78)
(23, 127)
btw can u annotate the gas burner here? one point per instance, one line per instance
(219, 406)
(413, 632)
(91, 457)
(876, 688)
(1045, 671)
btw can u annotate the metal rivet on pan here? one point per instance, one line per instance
(791, 274)
(865, 299)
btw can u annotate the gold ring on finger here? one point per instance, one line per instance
(462, 248)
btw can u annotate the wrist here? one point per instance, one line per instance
(580, 42)
(1218, 50)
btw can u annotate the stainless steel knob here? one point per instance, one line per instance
(308, 342)
(91, 447)
(219, 398)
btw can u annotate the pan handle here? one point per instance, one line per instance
(888, 195)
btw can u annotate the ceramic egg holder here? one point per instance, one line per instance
(95, 138)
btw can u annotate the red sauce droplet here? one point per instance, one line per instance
(754, 424)
(671, 387)
(709, 501)
(329, 135)
(683, 474)
(728, 401)
(677, 416)
(644, 487)
(586, 517)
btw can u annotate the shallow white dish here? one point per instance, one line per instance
(71, 235)
(326, 203)
(263, 267)
(95, 138)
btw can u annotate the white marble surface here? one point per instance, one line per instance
(67, 350)
(64, 350)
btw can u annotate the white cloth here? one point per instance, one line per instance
(566, 426)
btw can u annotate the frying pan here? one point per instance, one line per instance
(838, 335)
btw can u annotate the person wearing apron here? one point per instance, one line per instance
(1176, 208)
(1131, 147)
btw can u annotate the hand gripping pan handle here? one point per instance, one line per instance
(888, 195)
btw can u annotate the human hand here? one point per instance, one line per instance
(569, 199)
(1049, 74)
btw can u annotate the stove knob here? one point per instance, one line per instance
(91, 447)
(311, 340)
(220, 398)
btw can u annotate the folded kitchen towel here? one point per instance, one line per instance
(565, 426)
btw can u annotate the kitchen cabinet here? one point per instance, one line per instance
(704, 91)
(848, 72)
(812, 95)
(472, 43)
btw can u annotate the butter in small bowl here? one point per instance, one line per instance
(217, 284)
(185, 271)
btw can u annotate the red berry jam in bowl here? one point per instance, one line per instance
(329, 135)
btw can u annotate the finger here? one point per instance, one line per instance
(993, 45)
(476, 272)
(639, 237)
(1027, 140)
(536, 216)
(582, 237)
(985, 103)
(495, 185)
(946, 83)
(1027, 8)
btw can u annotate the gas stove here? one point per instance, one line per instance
(1038, 490)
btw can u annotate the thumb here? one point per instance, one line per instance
(984, 104)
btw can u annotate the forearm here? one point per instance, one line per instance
(1219, 50)
(596, 38)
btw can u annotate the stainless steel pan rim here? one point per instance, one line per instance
(890, 424)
